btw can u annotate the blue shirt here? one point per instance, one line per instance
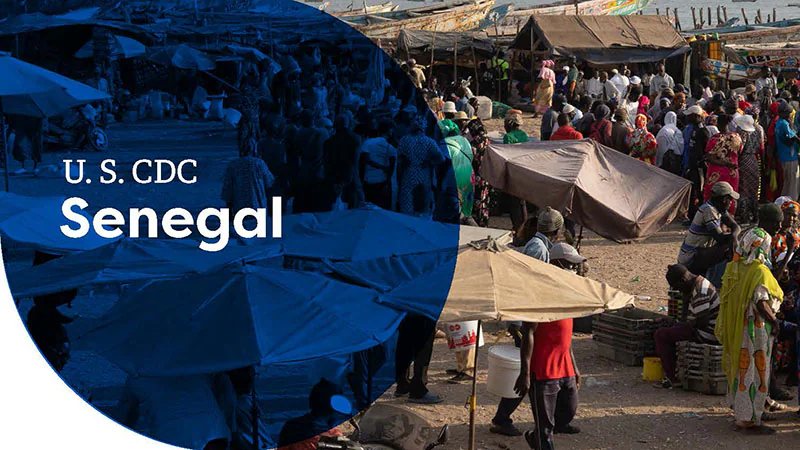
(787, 152)
(539, 247)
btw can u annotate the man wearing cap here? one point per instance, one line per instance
(700, 311)
(548, 370)
(567, 109)
(707, 244)
(417, 75)
(786, 142)
(548, 226)
(661, 80)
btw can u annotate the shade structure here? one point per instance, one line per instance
(360, 234)
(36, 222)
(181, 56)
(130, 260)
(235, 318)
(249, 53)
(123, 48)
(30, 90)
(608, 192)
(490, 281)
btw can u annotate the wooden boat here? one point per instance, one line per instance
(458, 16)
(727, 70)
(764, 36)
(508, 23)
(727, 30)
(375, 9)
(785, 55)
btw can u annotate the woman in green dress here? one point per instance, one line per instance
(746, 327)
(461, 155)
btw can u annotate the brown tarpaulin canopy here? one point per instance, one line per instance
(610, 193)
(419, 42)
(604, 39)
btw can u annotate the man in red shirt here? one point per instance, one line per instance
(549, 373)
(565, 132)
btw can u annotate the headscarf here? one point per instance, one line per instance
(742, 276)
(791, 204)
(644, 102)
(643, 144)
(755, 245)
(513, 119)
(545, 73)
(449, 128)
(782, 199)
(602, 112)
(641, 123)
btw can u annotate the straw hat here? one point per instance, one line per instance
(750, 89)
(461, 115)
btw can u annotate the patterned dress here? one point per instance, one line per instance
(483, 192)
(749, 173)
(725, 147)
(419, 155)
(752, 388)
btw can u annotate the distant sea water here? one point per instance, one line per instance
(684, 7)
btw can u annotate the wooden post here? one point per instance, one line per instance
(694, 18)
(473, 398)
(744, 16)
(433, 48)
(758, 16)
(455, 61)
(719, 15)
(677, 19)
(658, 12)
(709, 16)
(725, 13)
(475, 66)
(408, 53)
(533, 67)
(774, 15)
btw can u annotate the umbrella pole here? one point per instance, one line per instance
(473, 399)
(254, 416)
(5, 149)
(580, 238)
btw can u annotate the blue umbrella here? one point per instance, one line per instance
(129, 260)
(235, 318)
(30, 90)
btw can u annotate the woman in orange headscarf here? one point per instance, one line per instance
(642, 142)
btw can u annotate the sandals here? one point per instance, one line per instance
(773, 406)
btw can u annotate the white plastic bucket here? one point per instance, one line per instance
(461, 335)
(504, 368)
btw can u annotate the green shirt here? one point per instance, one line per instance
(515, 137)
(501, 65)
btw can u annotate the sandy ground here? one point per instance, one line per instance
(621, 412)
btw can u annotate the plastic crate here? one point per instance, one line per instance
(707, 385)
(632, 319)
(620, 355)
(623, 333)
(626, 344)
(675, 304)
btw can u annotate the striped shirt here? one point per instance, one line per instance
(704, 307)
(701, 232)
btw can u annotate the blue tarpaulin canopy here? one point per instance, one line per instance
(36, 221)
(236, 318)
(129, 260)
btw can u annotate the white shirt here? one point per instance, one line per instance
(661, 80)
(769, 82)
(669, 138)
(610, 90)
(594, 88)
(379, 151)
(181, 411)
(621, 82)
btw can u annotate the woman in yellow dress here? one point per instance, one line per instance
(747, 326)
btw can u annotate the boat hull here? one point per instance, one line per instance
(459, 18)
(513, 21)
(780, 56)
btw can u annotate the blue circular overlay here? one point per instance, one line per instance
(210, 212)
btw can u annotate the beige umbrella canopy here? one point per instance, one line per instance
(489, 281)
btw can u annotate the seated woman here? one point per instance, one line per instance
(701, 303)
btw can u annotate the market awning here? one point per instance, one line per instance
(418, 44)
(603, 40)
